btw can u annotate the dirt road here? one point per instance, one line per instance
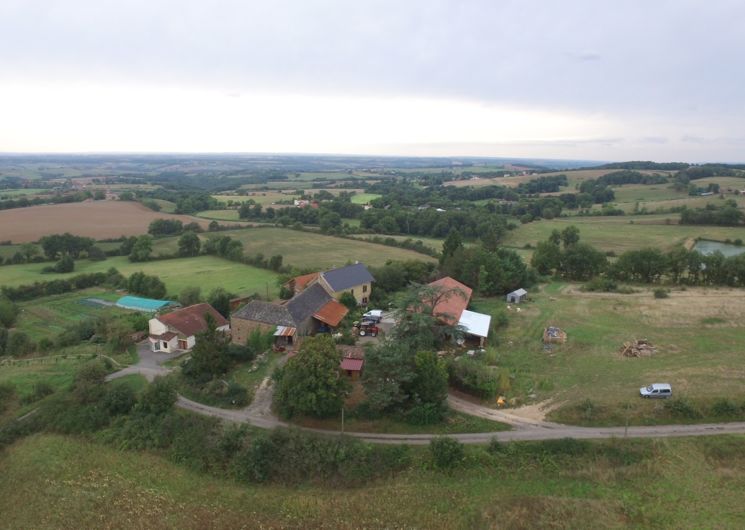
(259, 414)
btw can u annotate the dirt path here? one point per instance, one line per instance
(259, 414)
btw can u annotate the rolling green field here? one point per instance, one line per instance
(622, 233)
(51, 481)
(12, 194)
(699, 351)
(48, 316)
(220, 215)
(308, 249)
(364, 198)
(207, 272)
(265, 198)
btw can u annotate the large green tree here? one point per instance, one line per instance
(210, 356)
(310, 383)
(141, 249)
(189, 244)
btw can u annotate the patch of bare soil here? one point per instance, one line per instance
(96, 219)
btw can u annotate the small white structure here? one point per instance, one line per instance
(176, 331)
(476, 324)
(515, 297)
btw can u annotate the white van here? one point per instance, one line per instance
(374, 315)
(656, 390)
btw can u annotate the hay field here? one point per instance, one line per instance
(313, 250)
(207, 272)
(698, 334)
(96, 219)
(622, 233)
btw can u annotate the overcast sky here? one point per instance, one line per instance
(606, 80)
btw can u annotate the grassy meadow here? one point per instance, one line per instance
(207, 272)
(699, 351)
(51, 481)
(622, 233)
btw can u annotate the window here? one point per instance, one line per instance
(165, 346)
(364, 288)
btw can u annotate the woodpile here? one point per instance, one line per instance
(554, 335)
(637, 348)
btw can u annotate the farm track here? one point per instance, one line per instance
(259, 414)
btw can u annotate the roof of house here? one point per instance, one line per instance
(454, 298)
(301, 282)
(331, 313)
(266, 312)
(191, 320)
(519, 292)
(305, 304)
(167, 336)
(475, 323)
(352, 365)
(347, 277)
(292, 314)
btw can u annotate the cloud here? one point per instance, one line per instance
(635, 66)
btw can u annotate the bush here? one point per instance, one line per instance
(19, 344)
(447, 453)
(496, 447)
(473, 377)
(661, 293)
(40, 390)
(120, 399)
(681, 408)
(158, 398)
(725, 408)
(7, 394)
(425, 414)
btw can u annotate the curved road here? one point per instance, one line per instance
(259, 414)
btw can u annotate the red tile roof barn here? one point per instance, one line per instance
(455, 298)
(191, 320)
(301, 282)
(331, 313)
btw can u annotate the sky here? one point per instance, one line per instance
(603, 80)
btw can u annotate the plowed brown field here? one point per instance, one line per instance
(97, 219)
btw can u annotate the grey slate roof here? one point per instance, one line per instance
(347, 277)
(302, 306)
(296, 311)
(265, 312)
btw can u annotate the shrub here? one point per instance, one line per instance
(496, 447)
(120, 399)
(7, 394)
(158, 398)
(40, 390)
(447, 453)
(473, 377)
(681, 408)
(661, 293)
(425, 414)
(587, 409)
(725, 408)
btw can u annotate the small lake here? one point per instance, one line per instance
(706, 247)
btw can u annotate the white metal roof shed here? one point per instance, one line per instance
(475, 323)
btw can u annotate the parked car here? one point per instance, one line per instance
(656, 390)
(376, 315)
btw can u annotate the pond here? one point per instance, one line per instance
(706, 247)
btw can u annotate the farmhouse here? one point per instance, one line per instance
(314, 309)
(515, 297)
(176, 331)
(354, 279)
(449, 301)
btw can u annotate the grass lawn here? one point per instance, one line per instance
(312, 250)
(207, 272)
(265, 198)
(622, 233)
(432, 242)
(220, 215)
(52, 481)
(50, 315)
(364, 198)
(698, 334)
(166, 206)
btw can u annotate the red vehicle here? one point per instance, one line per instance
(367, 328)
